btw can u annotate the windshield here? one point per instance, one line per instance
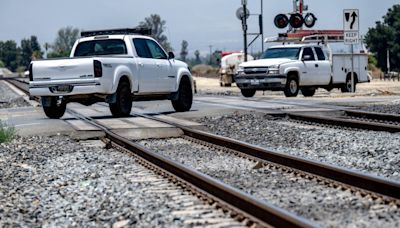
(286, 53)
(100, 47)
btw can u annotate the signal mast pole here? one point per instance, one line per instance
(244, 24)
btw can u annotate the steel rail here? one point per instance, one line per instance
(349, 177)
(329, 120)
(373, 115)
(263, 213)
(260, 211)
(345, 122)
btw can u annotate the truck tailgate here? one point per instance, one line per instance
(62, 69)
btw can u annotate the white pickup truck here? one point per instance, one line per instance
(306, 67)
(115, 66)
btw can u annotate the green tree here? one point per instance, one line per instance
(30, 50)
(64, 42)
(37, 52)
(157, 26)
(386, 36)
(197, 56)
(10, 54)
(2, 64)
(26, 52)
(184, 50)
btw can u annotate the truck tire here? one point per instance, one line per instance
(55, 110)
(248, 92)
(346, 88)
(185, 96)
(292, 86)
(308, 92)
(123, 106)
(226, 80)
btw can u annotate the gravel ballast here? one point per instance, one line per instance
(9, 99)
(372, 152)
(52, 182)
(322, 204)
(391, 108)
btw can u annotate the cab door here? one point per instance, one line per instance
(310, 68)
(166, 75)
(148, 77)
(324, 67)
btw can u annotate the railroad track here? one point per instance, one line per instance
(349, 118)
(241, 205)
(352, 119)
(260, 213)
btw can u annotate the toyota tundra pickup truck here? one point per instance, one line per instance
(114, 66)
(306, 67)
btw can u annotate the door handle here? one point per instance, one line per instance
(141, 64)
(158, 65)
(316, 65)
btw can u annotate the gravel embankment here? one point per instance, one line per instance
(392, 107)
(324, 205)
(9, 99)
(56, 182)
(372, 152)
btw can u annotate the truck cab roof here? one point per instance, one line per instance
(294, 46)
(121, 37)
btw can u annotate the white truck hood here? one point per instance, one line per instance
(265, 62)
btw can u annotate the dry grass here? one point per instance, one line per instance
(7, 132)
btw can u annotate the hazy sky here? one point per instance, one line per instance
(200, 22)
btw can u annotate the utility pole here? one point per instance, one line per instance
(388, 61)
(244, 25)
(210, 53)
(261, 26)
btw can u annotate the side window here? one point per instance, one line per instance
(141, 48)
(320, 53)
(308, 52)
(156, 51)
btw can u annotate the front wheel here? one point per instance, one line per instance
(123, 106)
(184, 100)
(54, 110)
(292, 87)
(248, 92)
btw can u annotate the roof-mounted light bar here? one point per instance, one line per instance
(124, 31)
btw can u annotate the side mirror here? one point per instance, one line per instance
(306, 58)
(171, 55)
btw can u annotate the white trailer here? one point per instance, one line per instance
(229, 66)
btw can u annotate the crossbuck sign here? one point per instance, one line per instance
(351, 26)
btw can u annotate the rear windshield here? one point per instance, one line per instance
(287, 53)
(100, 47)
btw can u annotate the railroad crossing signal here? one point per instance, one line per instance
(351, 26)
(296, 19)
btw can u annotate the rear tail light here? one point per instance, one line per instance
(30, 72)
(98, 70)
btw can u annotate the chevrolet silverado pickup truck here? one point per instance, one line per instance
(306, 67)
(114, 66)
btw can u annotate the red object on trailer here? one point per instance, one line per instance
(225, 53)
(298, 34)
